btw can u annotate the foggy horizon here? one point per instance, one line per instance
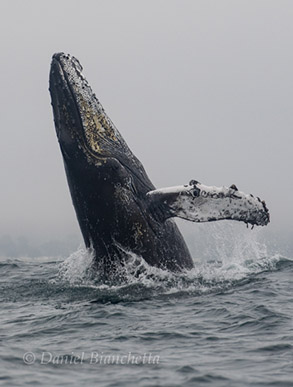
(199, 90)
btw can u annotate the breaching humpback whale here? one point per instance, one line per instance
(118, 208)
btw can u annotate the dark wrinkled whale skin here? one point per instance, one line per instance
(108, 184)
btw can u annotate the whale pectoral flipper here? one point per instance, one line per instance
(200, 203)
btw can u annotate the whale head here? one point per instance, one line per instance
(83, 128)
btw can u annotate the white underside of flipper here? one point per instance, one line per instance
(200, 203)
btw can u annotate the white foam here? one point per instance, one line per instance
(77, 268)
(232, 256)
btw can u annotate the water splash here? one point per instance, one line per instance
(78, 268)
(236, 251)
(232, 256)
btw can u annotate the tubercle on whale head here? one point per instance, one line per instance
(80, 119)
(67, 118)
(83, 128)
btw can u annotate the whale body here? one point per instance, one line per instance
(118, 208)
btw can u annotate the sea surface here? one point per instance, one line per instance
(227, 322)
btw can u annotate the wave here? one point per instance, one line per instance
(233, 259)
(228, 258)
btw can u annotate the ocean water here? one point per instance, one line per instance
(227, 322)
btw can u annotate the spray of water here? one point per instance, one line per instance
(224, 254)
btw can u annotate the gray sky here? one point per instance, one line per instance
(199, 89)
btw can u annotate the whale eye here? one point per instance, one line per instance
(114, 164)
(131, 185)
(115, 167)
